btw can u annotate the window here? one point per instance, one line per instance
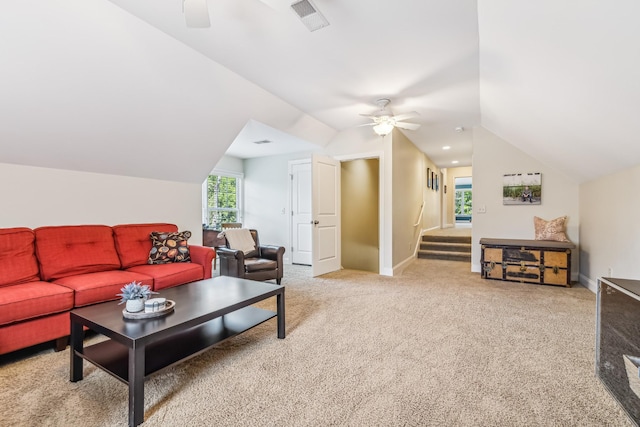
(221, 200)
(463, 209)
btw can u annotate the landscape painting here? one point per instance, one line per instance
(522, 189)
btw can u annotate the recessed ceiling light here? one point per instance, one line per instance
(446, 147)
(454, 162)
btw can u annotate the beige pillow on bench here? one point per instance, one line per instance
(551, 230)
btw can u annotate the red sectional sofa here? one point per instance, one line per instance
(47, 271)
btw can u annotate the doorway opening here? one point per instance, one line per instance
(360, 179)
(360, 199)
(301, 218)
(463, 208)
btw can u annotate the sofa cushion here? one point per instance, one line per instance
(102, 286)
(24, 334)
(34, 299)
(75, 249)
(18, 263)
(169, 247)
(169, 275)
(133, 241)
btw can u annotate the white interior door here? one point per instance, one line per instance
(301, 241)
(325, 208)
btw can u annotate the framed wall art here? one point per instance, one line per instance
(522, 189)
(428, 178)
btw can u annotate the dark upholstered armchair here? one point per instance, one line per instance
(264, 263)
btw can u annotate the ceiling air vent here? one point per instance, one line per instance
(262, 141)
(309, 15)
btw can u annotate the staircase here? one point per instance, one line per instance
(452, 248)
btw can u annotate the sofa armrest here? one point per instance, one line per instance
(204, 256)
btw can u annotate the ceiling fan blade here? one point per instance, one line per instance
(367, 124)
(196, 13)
(405, 116)
(408, 126)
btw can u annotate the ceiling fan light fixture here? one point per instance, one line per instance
(383, 128)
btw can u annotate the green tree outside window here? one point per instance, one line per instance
(222, 200)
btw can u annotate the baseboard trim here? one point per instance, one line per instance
(398, 269)
(386, 272)
(588, 283)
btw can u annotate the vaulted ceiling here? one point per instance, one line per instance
(125, 86)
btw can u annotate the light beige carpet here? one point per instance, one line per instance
(436, 346)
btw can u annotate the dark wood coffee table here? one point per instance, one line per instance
(206, 313)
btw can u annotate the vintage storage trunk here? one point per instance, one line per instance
(528, 261)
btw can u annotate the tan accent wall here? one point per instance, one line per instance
(432, 198)
(407, 192)
(360, 214)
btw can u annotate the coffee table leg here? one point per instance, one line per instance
(136, 385)
(280, 307)
(76, 345)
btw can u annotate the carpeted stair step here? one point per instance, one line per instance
(451, 248)
(445, 255)
(445, 247)
(447, 239)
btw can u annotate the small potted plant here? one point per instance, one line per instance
(134, 294)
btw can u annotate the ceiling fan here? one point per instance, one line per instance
(384, 121)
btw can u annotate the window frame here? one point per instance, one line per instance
(239, 196)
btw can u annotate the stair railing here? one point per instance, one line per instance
(420, 216)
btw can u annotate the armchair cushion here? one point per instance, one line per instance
(259, 264)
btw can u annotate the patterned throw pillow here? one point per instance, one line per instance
(169, 247)
(550, 230)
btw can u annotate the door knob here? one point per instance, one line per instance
(316, 222)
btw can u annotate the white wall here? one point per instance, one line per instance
(34, 197)
(492, 158)
(266, 198)
(88, 86)
(229, 164)
(609, 228)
